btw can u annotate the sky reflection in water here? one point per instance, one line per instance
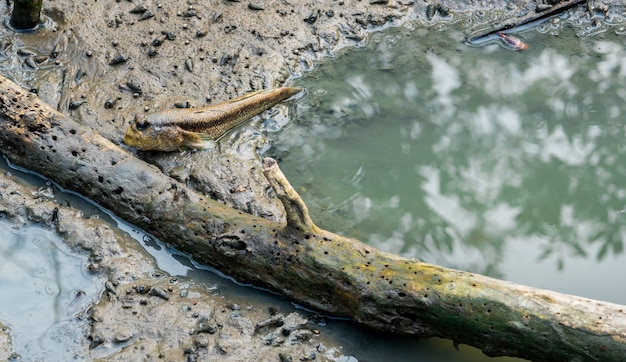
(506, 163)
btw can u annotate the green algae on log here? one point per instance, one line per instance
(25, 14)
(331, 273)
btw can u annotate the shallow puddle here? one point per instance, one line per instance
(45, 290)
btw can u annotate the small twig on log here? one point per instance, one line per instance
(295, 208)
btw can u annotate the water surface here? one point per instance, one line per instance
(45, 292)
(509, 164)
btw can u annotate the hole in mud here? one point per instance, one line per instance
(113, 162)
(54, 138)
(326, 253)
(100, 179)
(73, 131)
(74, 153)
(118, 191)
(402, 294)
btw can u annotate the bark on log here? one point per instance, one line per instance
(314, 267)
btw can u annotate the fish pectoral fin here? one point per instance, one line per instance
(196, 140)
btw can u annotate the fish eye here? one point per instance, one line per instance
(141, 124)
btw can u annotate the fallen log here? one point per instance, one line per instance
(313, 267)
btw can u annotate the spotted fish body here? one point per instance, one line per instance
(512, 42)
(173, 129)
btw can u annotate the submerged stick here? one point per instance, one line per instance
(316, 268)
(528, 19)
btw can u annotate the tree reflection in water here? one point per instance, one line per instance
(423, 146)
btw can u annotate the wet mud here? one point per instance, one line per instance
(102, 62)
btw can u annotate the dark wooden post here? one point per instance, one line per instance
(25, 14)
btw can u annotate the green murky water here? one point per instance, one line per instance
(510, 164)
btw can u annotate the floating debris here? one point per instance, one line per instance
(512, 42)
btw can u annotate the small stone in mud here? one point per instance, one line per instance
(96, 341)
(110, 287)
(189, 14)
(274, 320)
(152, 52)
(123, 336)
(169, 35)
(109, 104)
(139, 9)
(128, 303)
(30, 63)
(136, 88)
(210, 329)
(431, 10)
(75, 104)
(79, 75)
(256, 7)
(25, 53)
(88, 53)
(189, 65)
(158, 292)
(157, 42)
(201, 33)
(283, 357)
(118, 59)
(312, 18)
(225, 59)
(55, 51)
(146, 15)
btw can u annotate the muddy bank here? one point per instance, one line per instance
(144, 313)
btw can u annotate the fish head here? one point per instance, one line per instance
(148, 136)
